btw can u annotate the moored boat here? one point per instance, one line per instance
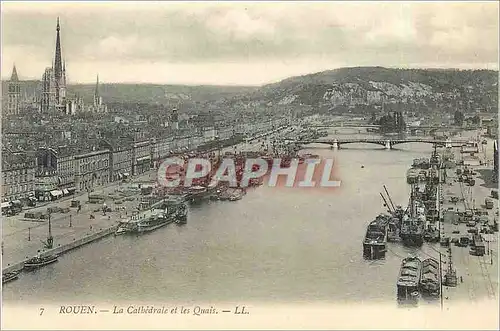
(164, 213)
(409, 280)
(38, 261)
(153, 220)
(412, 176)
(10, 276)
(412, 230)
(125, 226)
(413, 222)
(199, 193)
(168, 210)
(430, 282)
(375, 241)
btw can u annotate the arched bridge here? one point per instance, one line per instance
(387, 143)
(374, 126)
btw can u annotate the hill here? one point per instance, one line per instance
(374, 85)
(147, 93)
(344, 87)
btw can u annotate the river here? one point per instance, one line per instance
(274, 244)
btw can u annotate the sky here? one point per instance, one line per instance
(242, 43)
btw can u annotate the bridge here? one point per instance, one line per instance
(341, 125)
(387, 143)
(374, 126)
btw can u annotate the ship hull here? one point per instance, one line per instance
(408, 295)
(412, 240)
(430, 281)
(408, 290)
(199, 197)
(181, 220)
(149, 228)
(8, 277)
(412, 180)
(374, 251)
(36, 265)
(375, 241)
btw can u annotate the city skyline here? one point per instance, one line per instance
(242, 43)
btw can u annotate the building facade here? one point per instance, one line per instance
(121, 158)
(18, 175)
(495, 160)
(55, 171)
(141, 157)
(66, 166)
(160, 149)
(92, 169)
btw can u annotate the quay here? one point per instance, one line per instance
(477, 275)
(61, 249)
(23, 238)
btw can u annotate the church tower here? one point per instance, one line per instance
(53, 84)
(14, 93)
(98, 106)
(174, 118)
(59, 73)
(97, 98)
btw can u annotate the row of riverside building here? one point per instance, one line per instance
(52, 172)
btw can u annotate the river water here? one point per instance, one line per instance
(275, 244)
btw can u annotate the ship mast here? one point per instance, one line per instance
(412, 204)
(50, 240)
(389, 196)
(386, 204)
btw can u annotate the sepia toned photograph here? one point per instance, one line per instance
(218, 165)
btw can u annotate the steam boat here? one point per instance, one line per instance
(37, 262)
(160, 214)
(413, 222)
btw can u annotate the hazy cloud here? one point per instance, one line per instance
(277, 39)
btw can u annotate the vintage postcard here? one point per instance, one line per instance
(249, 165)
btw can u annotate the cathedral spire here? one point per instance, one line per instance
(58, 60)
(14, 77)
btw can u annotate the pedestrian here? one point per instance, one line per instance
(90, 227)
(461, 279)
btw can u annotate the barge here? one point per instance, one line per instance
(10, 276)
(375, 241)
(430, 280)
(409, 280)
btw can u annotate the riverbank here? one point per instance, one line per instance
(64, 248)
(23, 239)
(477, 275)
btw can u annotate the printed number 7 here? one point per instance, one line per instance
(41, 311)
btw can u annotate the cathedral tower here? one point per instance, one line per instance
(59, 72)
(14, 93)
